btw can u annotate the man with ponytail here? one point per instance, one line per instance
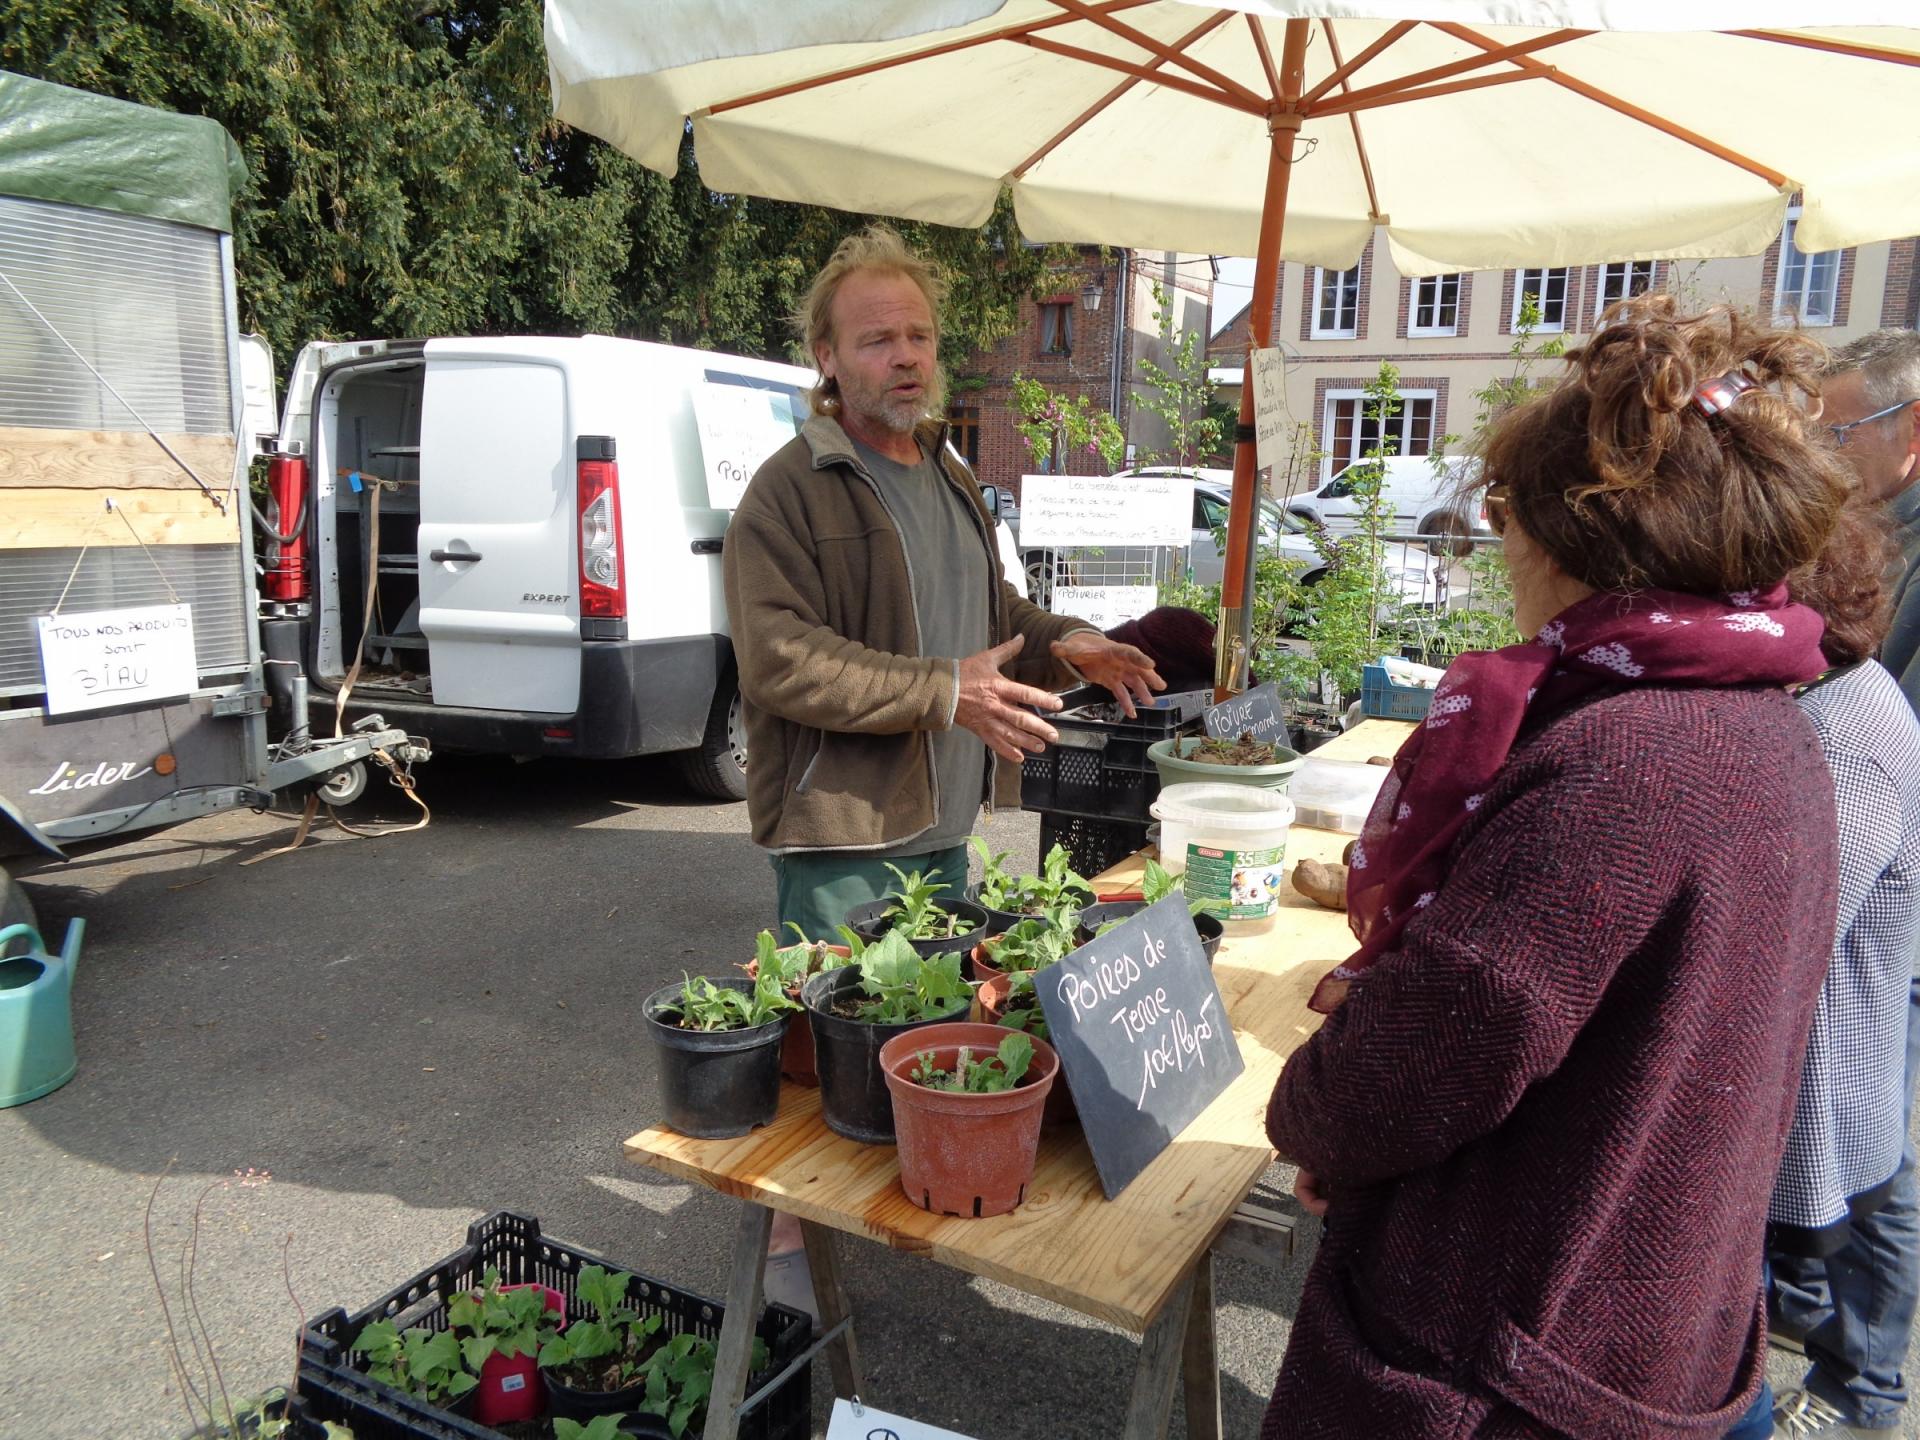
(1593, 908)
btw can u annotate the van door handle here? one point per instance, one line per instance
(467, 555)
(708, 547)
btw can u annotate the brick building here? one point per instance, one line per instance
(1449, 335)
(1086, 338)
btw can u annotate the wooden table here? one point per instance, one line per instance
(1142, 1261)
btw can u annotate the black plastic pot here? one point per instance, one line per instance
(854, 1099)
(716, 1084)
(998, 921)
(649, 1427)
(866, 922)
(1094, 916)
(582, 1405)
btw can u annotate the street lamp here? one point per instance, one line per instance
(1092, 292)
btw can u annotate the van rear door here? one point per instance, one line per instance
(498, 495)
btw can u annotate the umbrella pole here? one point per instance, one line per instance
(1233, 637)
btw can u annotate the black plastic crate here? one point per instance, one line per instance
(1094, 844)
(331, 1384)
(1100, 767)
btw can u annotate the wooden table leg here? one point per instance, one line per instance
(1158, 1368)
(733, 1356)
(1200, 1359)
(830, 1301)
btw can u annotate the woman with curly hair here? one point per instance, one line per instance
(1593, 904)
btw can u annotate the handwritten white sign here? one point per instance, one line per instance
(117, 657)
(853, 1420)
(1105, 510)
(1270, 419)
(739, 429)
(1104, 605)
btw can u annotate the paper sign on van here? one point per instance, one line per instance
(739, 429)
(117, 657)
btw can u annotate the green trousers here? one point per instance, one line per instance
(818, 887)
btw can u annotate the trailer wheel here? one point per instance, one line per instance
(345, 785)
(717, 767)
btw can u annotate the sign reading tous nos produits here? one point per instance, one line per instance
(1142, 1034)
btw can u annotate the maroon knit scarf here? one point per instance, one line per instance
(1655, 637)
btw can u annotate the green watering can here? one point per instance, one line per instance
(36, 1016)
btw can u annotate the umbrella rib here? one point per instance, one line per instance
(1834, 47)
(1624, 107)
(1341, 72)
(1083, 11)
(1266, 55)
(1421, 78)
(1128, 67)
(1359, 143)
(1348, 105)
(853, 72)
(1211, 23)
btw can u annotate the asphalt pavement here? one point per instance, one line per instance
(408, 1032)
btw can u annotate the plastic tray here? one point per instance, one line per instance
(332, 1388)
(1384, 700)
(1094, 844)
(1100, 767)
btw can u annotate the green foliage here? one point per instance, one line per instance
(1057, 883)
(600, 1427)
(790, 965)
(914, 913)
(902, 985)
(499, 1321)
(707, 1006)
(1180, 393)
(679, 1378)
(985, 1075)
(1157, 882)
(1037, 941)
(1022, 1009)
(406, 177)
(997, 884)
(1056, 426)
(427, 1363)
(615, 1334)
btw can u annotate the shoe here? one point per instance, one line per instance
(1801, 1415)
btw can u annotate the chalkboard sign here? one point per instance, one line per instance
(1142, 1034)
(1255, 711)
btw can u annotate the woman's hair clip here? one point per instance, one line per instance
(1711, 397)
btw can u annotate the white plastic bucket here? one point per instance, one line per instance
(1231, 843)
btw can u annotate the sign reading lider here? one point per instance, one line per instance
(1254, 712)
(1105, 510)
(1142, 1034)
(1104, 605)
(117, 657)
(739, 429)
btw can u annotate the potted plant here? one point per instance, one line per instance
(888, 990)
(720, 1046)
(595, 1365)
(419, 1362)
(968, 1099)
(1009, 899)
(913, 911)
(794, 964)
(1245, 761)
(500, 1329)
(1032, 943)
(1156, 883)
(1013, 1002)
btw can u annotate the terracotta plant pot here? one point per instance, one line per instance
(1059, 1108)
(511, 1387)
(962, 1154)
(983, 966)
(797, 1061)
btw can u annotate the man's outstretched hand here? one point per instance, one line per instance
(993, 707)
(1126, 671)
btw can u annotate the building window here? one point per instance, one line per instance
(1808, 285)
(1336, 303)
(1056, 327)
(1436, 306)
(1549, 291)
(1348, 432)
(1622, 282)
(965, 420)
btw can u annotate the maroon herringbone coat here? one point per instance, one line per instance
(1550, 1120)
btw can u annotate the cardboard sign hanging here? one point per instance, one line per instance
(1142, 1035)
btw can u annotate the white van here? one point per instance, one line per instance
(545, 542)
(1420, 498)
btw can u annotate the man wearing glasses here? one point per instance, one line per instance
(1872, 400)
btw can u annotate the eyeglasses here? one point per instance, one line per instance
(1843, 433)
(1497, 507)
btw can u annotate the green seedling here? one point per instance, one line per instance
(789, 966)
(1056, 885)
(914, 912)
(426, 1363)
(707, 1006)
(1022, 1010)
(902, 985)
(1158, 882)
(500, 1322)
(985, 1075)
(680, 1377)
(998, 887)
(1036, 943)
(601, 1427)
(605, 1350)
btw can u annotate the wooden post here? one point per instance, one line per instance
(1200, 1358)
(831, 1304)
(733, 1356)
(1161, 1348)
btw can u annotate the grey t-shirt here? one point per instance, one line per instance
(948, 567)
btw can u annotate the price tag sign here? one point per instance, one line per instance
(1256, 712)
(1142, 1035)
(1104, 605)
(117, 657)
(739, 429)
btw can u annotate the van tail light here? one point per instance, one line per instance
(603, 578)
(286, 577)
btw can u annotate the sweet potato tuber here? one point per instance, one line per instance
(1323, 884)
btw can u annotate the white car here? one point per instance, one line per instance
(1421, 499)
(1410, 570)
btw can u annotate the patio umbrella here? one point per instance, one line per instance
(1475, 134)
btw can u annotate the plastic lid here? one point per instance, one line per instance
(1225, 807)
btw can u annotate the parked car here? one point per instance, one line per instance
(1006, 513)
(1411, 572)
(1420, 498)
